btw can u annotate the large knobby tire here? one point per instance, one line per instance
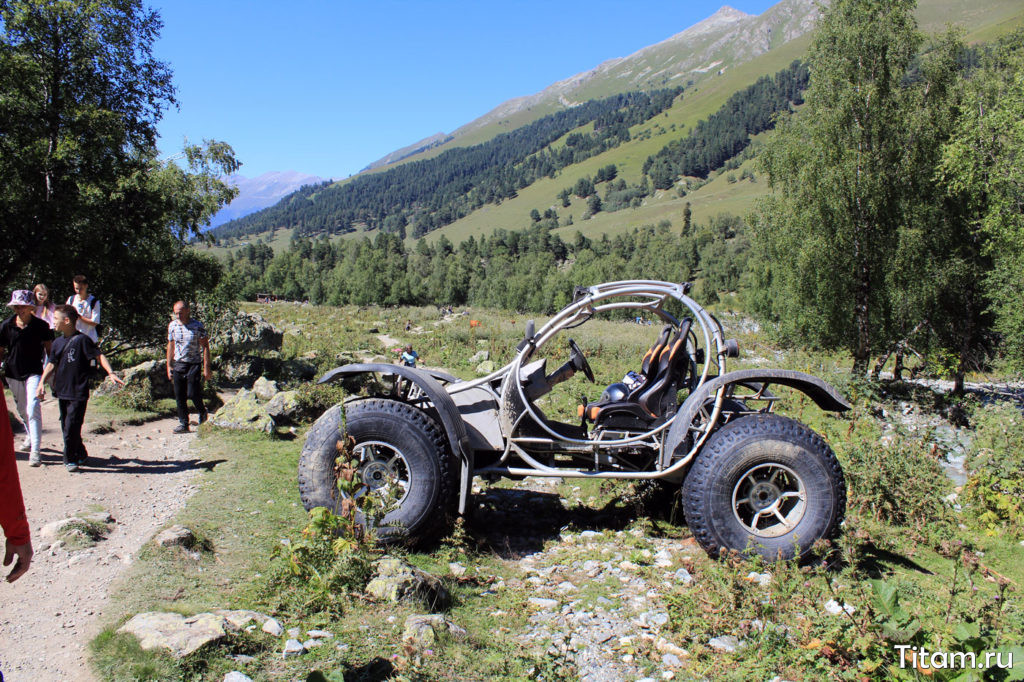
(401, 452)
(764, 484)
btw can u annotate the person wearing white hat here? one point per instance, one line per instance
(25, 341)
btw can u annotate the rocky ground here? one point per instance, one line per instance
(141, 478)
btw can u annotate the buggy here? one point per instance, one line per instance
(750, 480)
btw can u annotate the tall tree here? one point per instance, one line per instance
(81, 187)
(829, 232)
(983, 171)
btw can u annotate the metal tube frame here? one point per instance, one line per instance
(585, 306)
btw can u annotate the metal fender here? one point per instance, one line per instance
(451, 420)
(821, 392)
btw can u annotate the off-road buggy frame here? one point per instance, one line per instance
(751, 480)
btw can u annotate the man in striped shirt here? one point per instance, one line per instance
(188, 352)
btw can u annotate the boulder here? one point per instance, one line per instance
(284, 407)
(298, 369)
(480, 356)
(180, 635)
(250, 333)
(176, 536)
(265, 389)
(240, 369)
(245, 413)
(427, 631)
(397, 581)
(485, 367)
(154, 370)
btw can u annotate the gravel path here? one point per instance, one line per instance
(142, 478)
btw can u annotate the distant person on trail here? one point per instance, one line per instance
(409, 356)
(44, 306)
(25, 341)
(88, 307)
(12, 506)
(188, 353)
(70, 365)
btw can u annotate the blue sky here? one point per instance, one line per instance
(326, 87)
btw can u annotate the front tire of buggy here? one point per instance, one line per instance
(764, 484)
(402, 460)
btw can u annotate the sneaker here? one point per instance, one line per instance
(203, 417)
(27, 443)
(72, 467)
(181, 428)
(35, 459)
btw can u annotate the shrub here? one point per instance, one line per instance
(995, 489)
(136, 396)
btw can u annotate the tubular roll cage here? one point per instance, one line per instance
(642, 295)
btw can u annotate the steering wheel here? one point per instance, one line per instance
(580, 362)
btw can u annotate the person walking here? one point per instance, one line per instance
(25, 339)
(44, 306)
(87, 306)
(70, 365)
(188, 354)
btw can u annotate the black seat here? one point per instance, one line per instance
(663, 368)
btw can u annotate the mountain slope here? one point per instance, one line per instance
(260, 192)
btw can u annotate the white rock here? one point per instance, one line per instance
(727, 643)
(457, 569)
(683, 576)
(319, 634)
(671, 660)
(235, 676)
(292, 647)
(542, 604)
(833, 607)
(272, 627)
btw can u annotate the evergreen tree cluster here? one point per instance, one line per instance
(423, 195)
(727, 132)
(531, 270)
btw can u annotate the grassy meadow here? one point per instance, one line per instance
(920, 562)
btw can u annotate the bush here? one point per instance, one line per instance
(995, 489)
(315, 399)
(899, 481)
(136, 396)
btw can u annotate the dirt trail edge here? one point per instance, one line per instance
(142, 476)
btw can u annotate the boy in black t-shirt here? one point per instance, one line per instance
(69, 364)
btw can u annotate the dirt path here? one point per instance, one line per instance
(142, 477)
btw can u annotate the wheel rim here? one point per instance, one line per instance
(384, 472)
(769, 500)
